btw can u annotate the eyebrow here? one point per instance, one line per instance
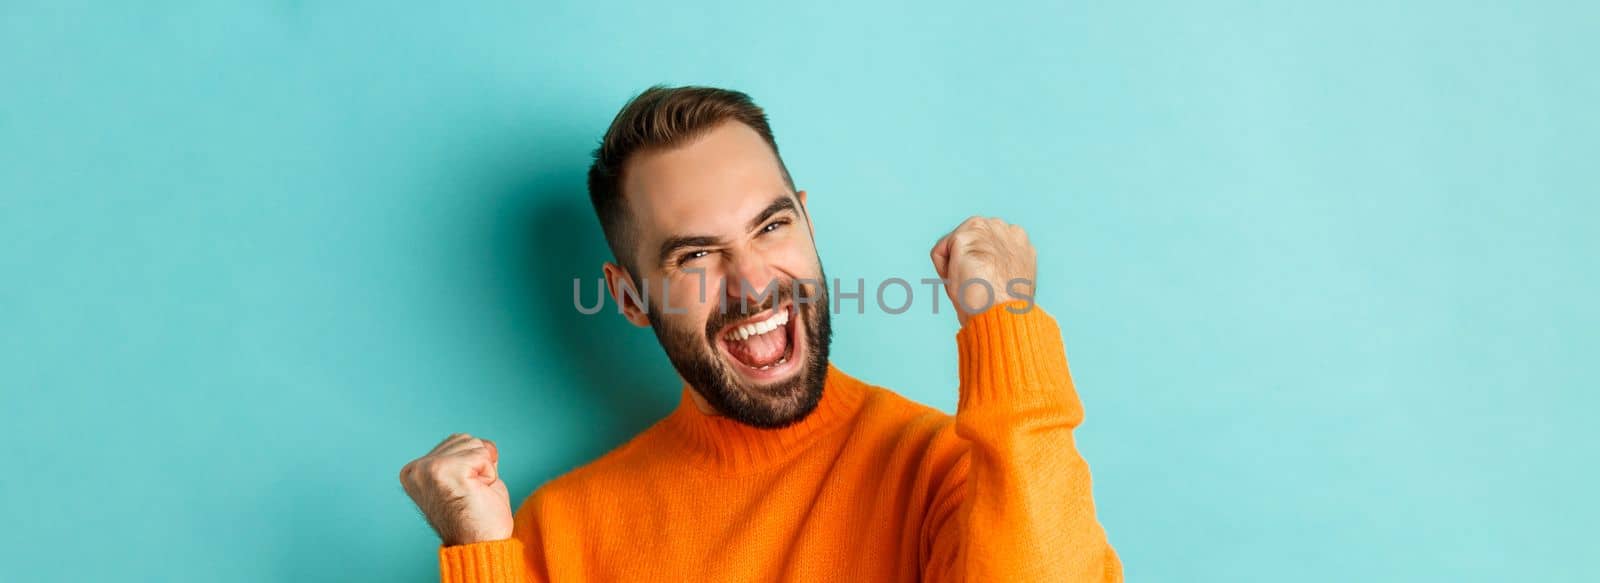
(673, 244)
(782, 203)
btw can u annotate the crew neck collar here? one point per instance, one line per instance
(729, 445)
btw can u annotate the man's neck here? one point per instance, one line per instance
(699, 401)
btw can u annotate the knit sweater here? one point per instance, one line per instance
(869, 487)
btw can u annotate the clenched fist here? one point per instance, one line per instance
(985, 262)
(457, 486)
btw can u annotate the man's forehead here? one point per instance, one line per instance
(707, 186)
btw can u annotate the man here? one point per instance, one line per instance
(776, 466)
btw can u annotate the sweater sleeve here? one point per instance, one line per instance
(1019, 506)
(519, 559)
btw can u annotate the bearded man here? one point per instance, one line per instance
(776, 465)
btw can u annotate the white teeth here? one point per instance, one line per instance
(758, 328)
(779, 363)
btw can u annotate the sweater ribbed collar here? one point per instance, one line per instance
(731, 446)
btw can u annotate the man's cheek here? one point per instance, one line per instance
(687, 293)
(800, 263)
(688, 311)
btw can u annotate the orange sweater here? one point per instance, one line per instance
(869, 487)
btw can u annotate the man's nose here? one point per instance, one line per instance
(749, 277)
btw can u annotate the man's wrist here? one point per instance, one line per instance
(1006, 303)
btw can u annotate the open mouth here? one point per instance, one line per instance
(762, 347)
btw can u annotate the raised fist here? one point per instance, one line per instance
(457, 486)
(985, 262)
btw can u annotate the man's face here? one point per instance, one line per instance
(723, 240)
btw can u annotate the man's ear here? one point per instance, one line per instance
(620, 284)
(801, 194)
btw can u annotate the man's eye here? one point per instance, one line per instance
(693, 255)
(773, 226)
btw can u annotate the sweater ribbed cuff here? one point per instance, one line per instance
(1011, 358)
(499, 561)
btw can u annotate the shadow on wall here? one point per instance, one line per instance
(611, 372)
(588, 382)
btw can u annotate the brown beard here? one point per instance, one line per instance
(694, 354)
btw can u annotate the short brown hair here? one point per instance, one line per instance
(660, 118)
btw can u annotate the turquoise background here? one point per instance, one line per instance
(1326, 271)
